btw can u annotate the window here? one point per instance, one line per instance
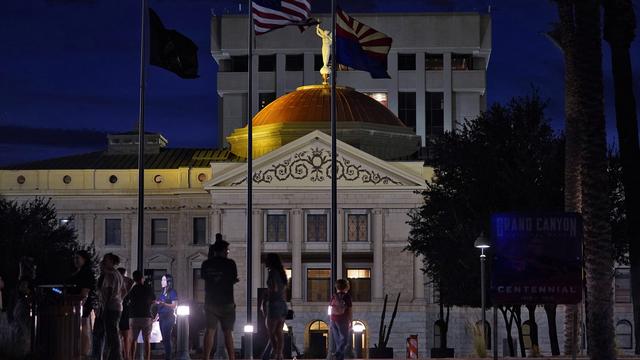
(435, 114)
(198, 286)
(267, 63)
(318, 285)
(434, 62)
(438, 330)
(238, 64)
(380, 97)
(159, 231)
(155, 276)
(406, 61)
(276, 227)
(526, 334)
(407, 109)
(623, 286)
(199, 230)
(317, 227)
(266, 98)
(360, 281)
(624, 333)
(487, 333)
(112, 232)
(294, 62)
(357, 227)
(461, 62)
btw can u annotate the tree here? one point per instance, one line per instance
(31, 229)
(508, 159)
(619, 32)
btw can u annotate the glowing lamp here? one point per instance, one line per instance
(183, 310)
(248, 329)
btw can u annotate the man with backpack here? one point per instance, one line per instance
(341, 318)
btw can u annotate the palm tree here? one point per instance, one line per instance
(619, 32)
(562, 35)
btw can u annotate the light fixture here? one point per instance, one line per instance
(482, 242)
(285, 328)
(183, 310)
(329, 310)
(358, 327)
(248, 329)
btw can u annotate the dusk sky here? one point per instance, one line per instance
(69, 69)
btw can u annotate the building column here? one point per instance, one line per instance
(297, 236)
(421, 97)
(378, 253)
(418, 279)
(448, 92)
(257, 252)
(216, 224)
(308, 76)
(340, 240)
(133, 220)
(392, 87)
(280, 74)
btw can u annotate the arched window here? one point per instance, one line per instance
(624, 332)
(487, 334)
(526, 334)
(318, 325)
(438, 332)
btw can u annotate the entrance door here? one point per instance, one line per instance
(318, 335)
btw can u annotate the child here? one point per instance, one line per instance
(341, 315)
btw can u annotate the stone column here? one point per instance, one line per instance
(421, 96)
(133, 220)
(309, 74)
(447, 79)
(257, 251)
(297, 237)
(378, 253)
(280, 74)
(216, 224)
(392, 94)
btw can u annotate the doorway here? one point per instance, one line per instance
(318, 340)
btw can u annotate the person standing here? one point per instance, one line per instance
(275, 306)
(123, 324)
(140, 299)
(341, 318)
(84, 280)
(111, 294)
(167, 303)
(220, 274)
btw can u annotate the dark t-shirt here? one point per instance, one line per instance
(140, 299)
(347, 301)
(219, 275)
(83, 279)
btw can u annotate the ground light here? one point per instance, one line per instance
(183, 312)
(482, 243)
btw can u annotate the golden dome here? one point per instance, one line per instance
(313, 104)
(362, 122)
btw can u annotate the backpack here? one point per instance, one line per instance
(338, 305)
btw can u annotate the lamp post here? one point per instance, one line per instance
(482, 243)
(183, 312)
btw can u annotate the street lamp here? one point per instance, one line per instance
(482, 243)
(183, 312)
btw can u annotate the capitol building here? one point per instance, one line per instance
(438, 78)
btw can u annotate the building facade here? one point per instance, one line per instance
(437, 64)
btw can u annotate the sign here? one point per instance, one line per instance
(537, 258)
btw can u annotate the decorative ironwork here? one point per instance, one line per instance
(315, 164)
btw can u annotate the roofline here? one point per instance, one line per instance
(423, 13)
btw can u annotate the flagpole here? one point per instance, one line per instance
(143, 76)
(249, 354)
(334, 134)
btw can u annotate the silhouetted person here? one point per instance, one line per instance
(140, 299)
(84, 280)
(275, 306)
(111, 292)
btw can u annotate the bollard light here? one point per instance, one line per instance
(183, 310)
(358, 328)
(248, 329)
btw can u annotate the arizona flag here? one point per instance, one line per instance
(361, 47)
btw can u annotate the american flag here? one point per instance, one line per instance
(273, 14)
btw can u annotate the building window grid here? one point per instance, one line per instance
(318, 284)
(199, 230)
(316, 227)
(159, 231)
(294, 62)
(265, 98)
(406, 61)
(112, 232)
(357, 227)
(407, 108)
(434, 62)
(435, 114)
(276, 227)
(267, 63)
(461, 62)
(624, 334)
